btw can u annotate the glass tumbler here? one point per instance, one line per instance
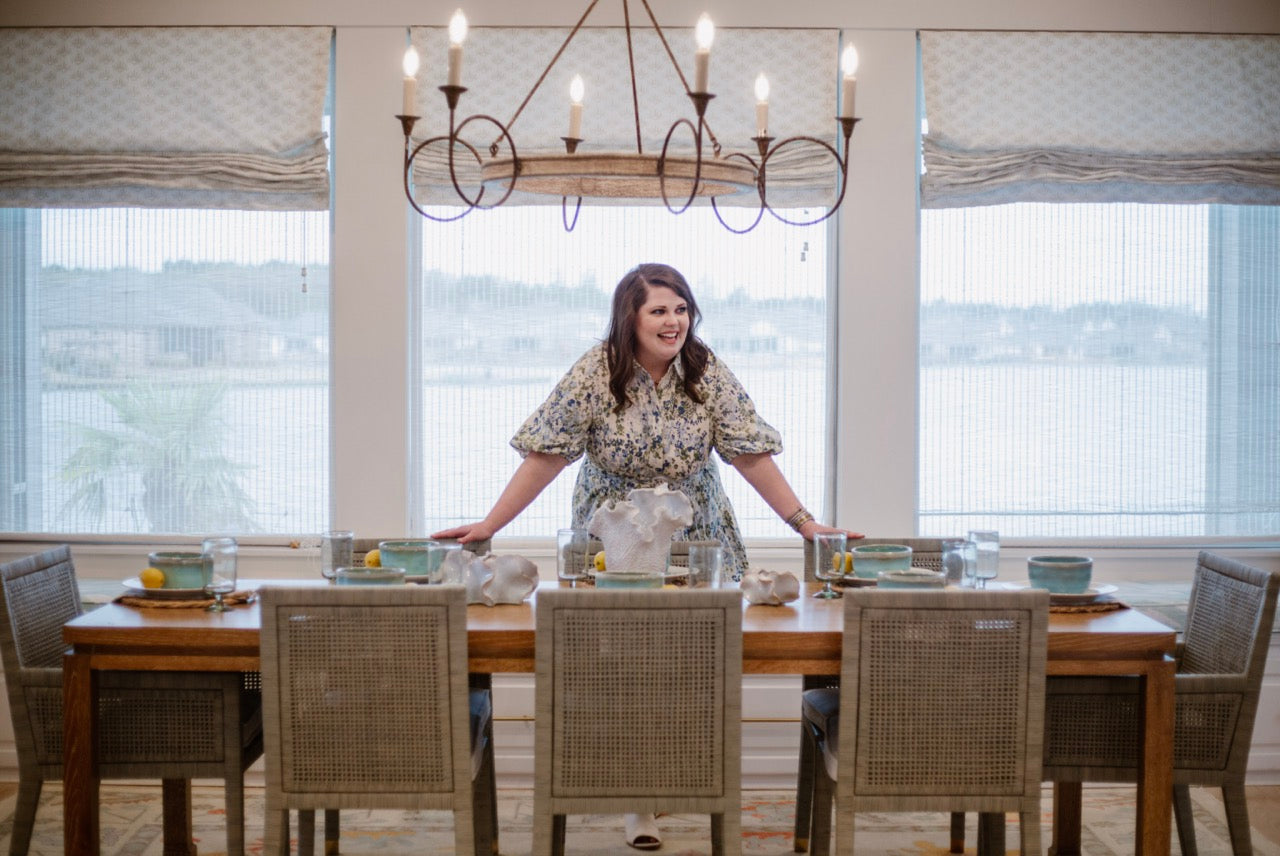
(987, 545)
(706, 566)
(336, 550)
(219, 556)
(573, 555)
(958, 565)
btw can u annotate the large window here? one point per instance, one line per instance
(166, 371)
(509, 301)
(1100, 370)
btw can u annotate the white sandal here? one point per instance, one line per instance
(642, 831)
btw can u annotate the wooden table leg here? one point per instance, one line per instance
(1155, 782)
(176, 799)
(1067, 816)
(79, 757)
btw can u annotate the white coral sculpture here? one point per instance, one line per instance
(636, 533)
(491, 579)
(770, 587)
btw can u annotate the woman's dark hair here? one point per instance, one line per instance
(620, 341)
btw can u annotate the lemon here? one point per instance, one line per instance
(151, 578)
(848, 563)
(373, 559)
(599, 561)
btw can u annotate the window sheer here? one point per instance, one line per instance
(509, 301)
(1100, 370)
(165, 371)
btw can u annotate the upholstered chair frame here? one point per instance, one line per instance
(638, 707)
(367, 705)
(1092, 725)
(911, 662)
(171, 726)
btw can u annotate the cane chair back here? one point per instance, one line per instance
(911, 662)
(366, 705)
(1092, 725)
(151, 725)
(638, 705)
(925, 553)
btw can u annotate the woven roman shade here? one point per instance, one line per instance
(164, 117)
(1100, 117)
(501, 64)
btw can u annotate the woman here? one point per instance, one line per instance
(647, 406)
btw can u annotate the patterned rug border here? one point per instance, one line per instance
(130, 823)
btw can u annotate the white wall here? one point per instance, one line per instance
(876, 258)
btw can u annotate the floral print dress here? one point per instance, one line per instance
(663, 436)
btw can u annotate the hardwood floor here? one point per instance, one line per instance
(1264, 807)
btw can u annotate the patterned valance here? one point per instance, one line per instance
(501, 64)
(207, 117)
(1100, 117)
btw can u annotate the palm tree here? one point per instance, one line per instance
(167, 447)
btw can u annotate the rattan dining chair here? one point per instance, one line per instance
(940, 707)
(367, 705)
(1092, 731)
(925, 553)
(638, 707)
(151, 725)
(360, 549)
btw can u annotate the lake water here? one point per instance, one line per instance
(1027, 450)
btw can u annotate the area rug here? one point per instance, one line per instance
(130, 825)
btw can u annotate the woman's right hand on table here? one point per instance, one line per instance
(467, 532)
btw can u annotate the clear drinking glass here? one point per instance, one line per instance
(436, 554)
(706, 566)
(573, 554)
(219, 570)
(953, 561)
(987, 545)
(336, 550)
(829, 550)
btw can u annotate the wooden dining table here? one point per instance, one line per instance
(800, 638)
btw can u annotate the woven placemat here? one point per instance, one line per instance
(1097, 606)
(236, 597)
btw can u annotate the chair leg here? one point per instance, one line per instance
(484, 797)
(957, 832)
(332, 830)
(1029, 832)
(1068, 801)
(557, 834)
(175, 796)
(991, 840)
(233, 795)
(820, 830)
(306, 832)
(24, 814)
(544, 826)
(804, 792)
(1185, 823)
(275, 836)
(729, 828)
(1237, 807)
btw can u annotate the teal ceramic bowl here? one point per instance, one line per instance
(383, 576)
(181, 570)
(871, 560)
(911, 578)
(411, 554)
(1060, 574)
(629, 579)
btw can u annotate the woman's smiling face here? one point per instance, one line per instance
(662, 325)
